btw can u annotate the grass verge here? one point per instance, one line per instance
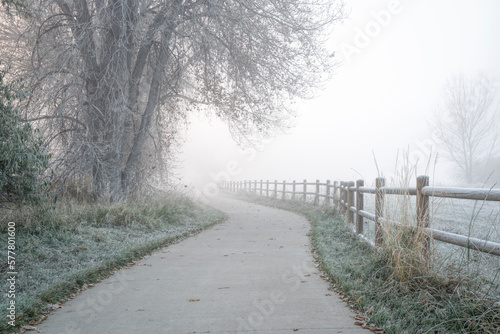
(366, 279)
(60, 252)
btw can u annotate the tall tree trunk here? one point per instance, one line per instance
(109, 96)
(138, 143)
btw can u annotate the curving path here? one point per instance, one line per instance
(253, 273)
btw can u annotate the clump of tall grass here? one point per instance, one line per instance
(404, 251)
(405, 246)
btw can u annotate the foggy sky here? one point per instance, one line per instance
(395, 58)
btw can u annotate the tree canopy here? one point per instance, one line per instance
(111, 80)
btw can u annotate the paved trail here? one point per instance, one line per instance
(252, 274)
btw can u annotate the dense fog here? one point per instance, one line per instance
(375, 115)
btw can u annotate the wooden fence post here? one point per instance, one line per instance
(316, 193)
(267, 188)
(341, 197)
(283, 195)
(344, 197)
(350, 202)
(293, 190)
(423, 220)
(334, 196)
(275, 189)
(327, 198)
(304, 195)
(359, 206)
(379, 209)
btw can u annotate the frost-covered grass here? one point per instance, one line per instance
(449, 298)
(59, 251)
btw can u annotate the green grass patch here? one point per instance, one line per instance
(60, 251)
(433, 304)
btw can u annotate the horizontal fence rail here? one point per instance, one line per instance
(348, 198)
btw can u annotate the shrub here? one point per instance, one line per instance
(22, 158)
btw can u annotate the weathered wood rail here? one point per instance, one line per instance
(348, 198)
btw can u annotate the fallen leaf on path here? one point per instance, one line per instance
(193, 300)
(30, 328)
(56, 306)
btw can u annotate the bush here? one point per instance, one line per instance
(22, 159)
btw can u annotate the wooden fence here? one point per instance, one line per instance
(348, 198)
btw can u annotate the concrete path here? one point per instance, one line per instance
(252, 274)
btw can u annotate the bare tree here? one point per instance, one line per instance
(467, 124)
(111, 78)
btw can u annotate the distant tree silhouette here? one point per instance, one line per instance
(468, 125)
